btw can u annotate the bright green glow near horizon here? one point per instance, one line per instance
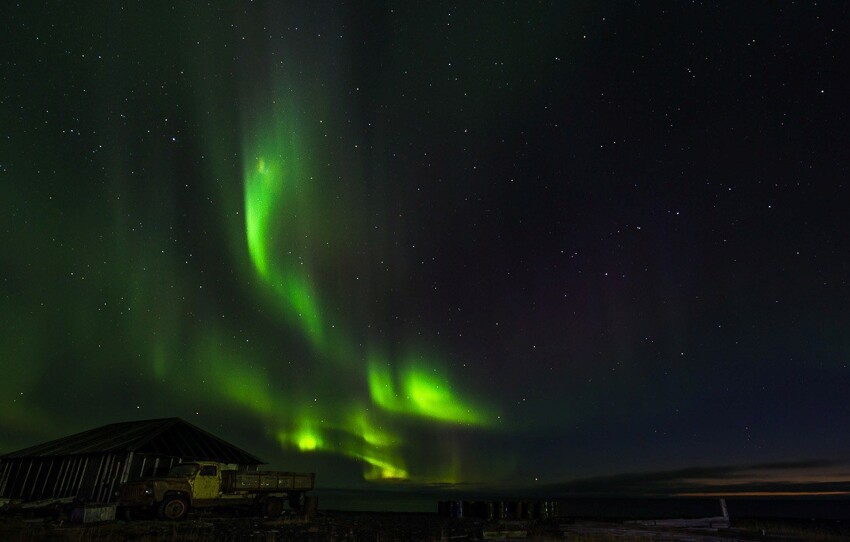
(382, 461)
(308, 440)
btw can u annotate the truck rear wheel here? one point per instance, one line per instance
(173, 508)
(272, 507)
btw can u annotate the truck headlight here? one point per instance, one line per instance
(148, 491)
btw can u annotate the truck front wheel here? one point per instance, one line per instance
(272, 507)
(173, 508)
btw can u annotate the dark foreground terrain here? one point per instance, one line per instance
(377, 527)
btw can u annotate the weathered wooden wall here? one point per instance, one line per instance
(89, 478)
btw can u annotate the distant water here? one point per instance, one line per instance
(600, 507)
(376, 501)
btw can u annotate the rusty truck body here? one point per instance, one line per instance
(207, 484)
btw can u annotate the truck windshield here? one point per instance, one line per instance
(184, 471)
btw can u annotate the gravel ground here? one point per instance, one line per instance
(373, 527)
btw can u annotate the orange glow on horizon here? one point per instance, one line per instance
(764, 494)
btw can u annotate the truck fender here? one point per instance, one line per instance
(161, 493)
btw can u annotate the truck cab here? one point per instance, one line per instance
(203, 477)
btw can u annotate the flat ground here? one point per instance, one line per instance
(379, 527)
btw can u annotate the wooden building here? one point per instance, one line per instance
(91, 465)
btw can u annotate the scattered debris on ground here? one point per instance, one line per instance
(385, 527)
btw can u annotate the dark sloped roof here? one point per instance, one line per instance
(167, 436)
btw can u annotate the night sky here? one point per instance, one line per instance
(517, 244)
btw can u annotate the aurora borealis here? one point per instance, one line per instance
(510, 244)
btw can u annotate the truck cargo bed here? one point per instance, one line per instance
(265, 481)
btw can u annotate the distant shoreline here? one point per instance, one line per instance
(607, 507)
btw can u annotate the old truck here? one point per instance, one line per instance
(206, 484)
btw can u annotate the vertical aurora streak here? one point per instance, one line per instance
(275, 188)
(280, 240)
(261, 185)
